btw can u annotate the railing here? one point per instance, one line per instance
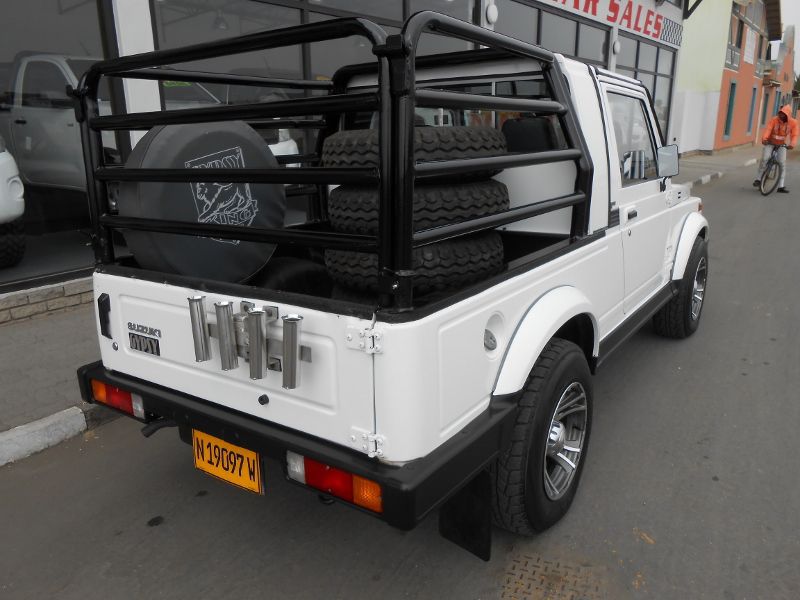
(733, 57)
(393, 100)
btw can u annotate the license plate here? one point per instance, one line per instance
(144, 344)
(234, 464)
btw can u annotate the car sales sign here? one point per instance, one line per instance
(659, 21)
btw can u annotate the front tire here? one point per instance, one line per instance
(770, 178)
(535, 480)
(680, 317)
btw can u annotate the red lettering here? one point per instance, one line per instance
(648, 21)
(657, 26)
(613, 11)
(590, 7)
(576, 4)
(627, 15)
(636, 22)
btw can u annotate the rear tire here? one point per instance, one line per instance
(680, 317)
(770, 178)
(12, 243)
(535, 480)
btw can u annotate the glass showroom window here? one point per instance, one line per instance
(517, 20)
(654, 67)
(182, 23)
(46, 46)
(435, 44)
(556, 32)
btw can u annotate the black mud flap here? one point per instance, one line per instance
(466, 518)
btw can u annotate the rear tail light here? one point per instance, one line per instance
(117, 398)
(336, 482)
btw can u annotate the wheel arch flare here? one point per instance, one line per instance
(564, 310)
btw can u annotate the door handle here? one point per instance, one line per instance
(632, 214)
(20, 121)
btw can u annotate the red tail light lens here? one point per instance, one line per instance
(338, 483)
(329, 479)
(118, 398)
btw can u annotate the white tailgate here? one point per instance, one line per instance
(333, 399)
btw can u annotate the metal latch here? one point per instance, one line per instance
(368, 341)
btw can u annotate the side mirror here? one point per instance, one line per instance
(668, 161)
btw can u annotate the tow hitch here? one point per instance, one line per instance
(157, 425)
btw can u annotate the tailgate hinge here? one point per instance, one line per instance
(368, 341)
(374, 445)
(369, 443)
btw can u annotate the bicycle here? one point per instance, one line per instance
(772, 172)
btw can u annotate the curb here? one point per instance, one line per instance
(717, 175)
(24, 440)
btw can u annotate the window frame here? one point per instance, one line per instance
(26, 76)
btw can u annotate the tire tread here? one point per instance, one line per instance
(442, 266)
(508, 477)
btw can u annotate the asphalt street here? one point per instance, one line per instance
(691, 489)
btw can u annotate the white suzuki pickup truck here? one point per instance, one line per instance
(482, 229)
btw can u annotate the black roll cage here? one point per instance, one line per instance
(394, 99)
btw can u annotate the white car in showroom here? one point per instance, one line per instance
(12, 206)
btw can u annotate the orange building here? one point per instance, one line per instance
(753, 85)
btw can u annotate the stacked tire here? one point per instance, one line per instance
(438, 267)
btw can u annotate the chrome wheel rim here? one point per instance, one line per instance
(699, 288)
(565, 440)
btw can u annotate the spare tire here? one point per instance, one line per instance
(202, 145)
(355, 209)
(441, 266)
(359, 148)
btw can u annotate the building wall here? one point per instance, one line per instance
(782, 77)
(741, 130)
(739, 114)
(786, 66)
(698, 82)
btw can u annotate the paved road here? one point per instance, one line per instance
(691, 488)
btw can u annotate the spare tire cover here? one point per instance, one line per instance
(197, 146)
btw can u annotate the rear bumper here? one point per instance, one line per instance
(410, 492)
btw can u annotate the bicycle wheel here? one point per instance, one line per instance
(769, 180)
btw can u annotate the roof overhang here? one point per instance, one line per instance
(689, 6)
(774, 25)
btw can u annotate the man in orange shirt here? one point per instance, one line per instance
(781, 130)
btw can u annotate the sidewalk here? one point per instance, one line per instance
(40, 404)
(701, 168)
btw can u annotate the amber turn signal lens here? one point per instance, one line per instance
(99, 391)
(367, 494)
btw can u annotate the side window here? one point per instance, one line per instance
(42, 83)
(634, 143)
